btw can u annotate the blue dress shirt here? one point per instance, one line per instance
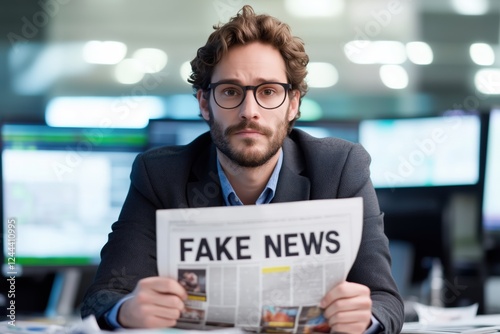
(230, 197)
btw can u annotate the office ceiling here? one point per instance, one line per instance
(46, 62)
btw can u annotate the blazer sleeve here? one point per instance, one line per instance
(130, 252)
(372, 266)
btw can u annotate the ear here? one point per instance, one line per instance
(294, 105)
(203, 104)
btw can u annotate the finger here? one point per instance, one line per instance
(168, 301)
(348, 328)
(350, 317)
(344, 290)
(165, 313)
(144, 310)
(163, 285)
(350, 322)
(359, 303)
(143, 296)
(152, 316)
(349, 289)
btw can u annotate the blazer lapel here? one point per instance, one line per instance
(206, 191)
(291, 185)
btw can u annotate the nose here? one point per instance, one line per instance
(249, 108)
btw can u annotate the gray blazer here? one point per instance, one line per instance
(186, 177)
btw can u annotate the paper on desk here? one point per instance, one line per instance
(30, 327)
(180, 331)
(459, 320)
(262, 267)
(89, 326)
(432, 315)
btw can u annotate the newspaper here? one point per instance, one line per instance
(259, 268)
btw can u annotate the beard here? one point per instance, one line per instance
(246, 157)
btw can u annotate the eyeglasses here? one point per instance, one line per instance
(269, 95)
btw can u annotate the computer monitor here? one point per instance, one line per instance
(491, 192)
(62, 188)
(163, 131)
(423, 152)
(347, 130)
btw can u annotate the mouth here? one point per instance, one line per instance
(248, 132)
(247, 129)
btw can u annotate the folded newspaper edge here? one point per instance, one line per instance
(261, 268)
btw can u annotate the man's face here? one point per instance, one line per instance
(249, 135)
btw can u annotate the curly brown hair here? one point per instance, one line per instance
(247, 27)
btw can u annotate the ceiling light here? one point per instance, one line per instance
(185, 71)
(376, 52)
(389, 52)
(316, 8)
(152, 60)
(358, 52)
(111, 112)
(419, 53)
(108, 52)
(394, 76)
(482, 54)
(36, 68)
(487, 81)
(321, 75)
(129, 71)
(470, 7)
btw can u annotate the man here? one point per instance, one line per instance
(249, 81)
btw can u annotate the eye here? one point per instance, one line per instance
(230, 91)
(267, 91)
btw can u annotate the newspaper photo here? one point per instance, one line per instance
(259, 267)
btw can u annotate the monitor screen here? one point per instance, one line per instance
(347, 130)
(174, 132)
(423, 152)
(63, 188)
(491, 197)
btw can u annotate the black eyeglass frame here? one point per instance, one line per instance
(286, 86)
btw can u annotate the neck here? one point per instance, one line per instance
(248, 182)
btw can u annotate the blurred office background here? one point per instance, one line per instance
(368, 58)
(123, 65)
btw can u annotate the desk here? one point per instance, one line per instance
(480, 324)
(89, 326)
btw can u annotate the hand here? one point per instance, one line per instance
(157, 302)
(348, 308)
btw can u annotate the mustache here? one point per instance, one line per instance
(247, 125)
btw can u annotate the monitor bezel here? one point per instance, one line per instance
(490, 237)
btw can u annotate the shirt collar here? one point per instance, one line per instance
(230, 197)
